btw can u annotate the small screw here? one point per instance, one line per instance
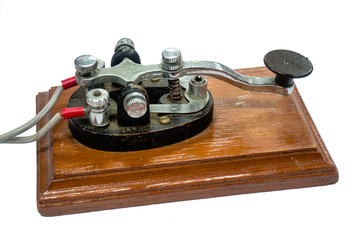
(164, 120)
(198, 78)
(97, 93)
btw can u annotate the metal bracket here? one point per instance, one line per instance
(193, 105)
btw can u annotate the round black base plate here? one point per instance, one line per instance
(118, 138)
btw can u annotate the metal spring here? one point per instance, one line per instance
(174, 90)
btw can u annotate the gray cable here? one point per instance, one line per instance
(13, 133)
(47, 127)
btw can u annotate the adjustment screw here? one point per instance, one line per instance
(124, 42)
(85, 64)
(135, 104)
(172, 59)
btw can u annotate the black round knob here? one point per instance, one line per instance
(124, 49)
(287, 65)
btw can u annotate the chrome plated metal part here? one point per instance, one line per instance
(85, 64)
(135, 104)
(172, 59)
(197, 87)
(193, 105)
(129, 72)
(98, 100)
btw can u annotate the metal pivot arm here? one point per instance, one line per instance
(128, 72)
(226, 74)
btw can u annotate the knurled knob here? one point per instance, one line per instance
(97, 98)
(135, 104)
(172, 59)
(124, 42)
(85, 64)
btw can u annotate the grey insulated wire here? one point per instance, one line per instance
(4, 137)
(47, 127)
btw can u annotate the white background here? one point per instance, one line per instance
(40, 39)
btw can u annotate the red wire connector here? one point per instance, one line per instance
(72, 112)
(69, 82)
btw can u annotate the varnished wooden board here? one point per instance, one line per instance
(256, 142)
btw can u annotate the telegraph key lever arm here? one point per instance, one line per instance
(128, 72)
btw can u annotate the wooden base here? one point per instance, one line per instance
(256, 142)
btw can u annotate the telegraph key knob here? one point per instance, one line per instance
(125, 49)
(287, 65)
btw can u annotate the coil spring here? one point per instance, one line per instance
(174, 90)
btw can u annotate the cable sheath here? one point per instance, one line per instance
(13, 133)
(47, 127)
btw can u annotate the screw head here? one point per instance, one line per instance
(198, 80)
(172, 59)
(135, 104)
(164, 120)
(97, 98)
(85, 64)
(124, 42)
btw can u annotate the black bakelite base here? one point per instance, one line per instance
(130, 138)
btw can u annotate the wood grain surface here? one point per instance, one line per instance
(256, 142)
